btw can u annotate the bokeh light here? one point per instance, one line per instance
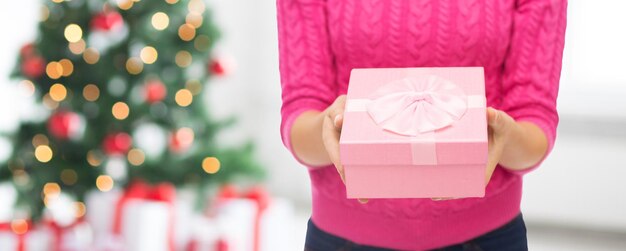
(136, 157)
(73, 33)
(51, 190)
(81, 209)
(68, 67)
(40, 139)
(120, 110)
(160, 21)
(183, 59)
(77, 47)
(94, 158)
(202, 43)
(54, 70)
(91, 92)
(58, 92)
(211, 165)
(19, 226)
(134, 65)
(183, 97)
(194, 86)
(91, 56)
(43, 153)
(186, 32)
(148, 54)
(104, 183)
(194, 19)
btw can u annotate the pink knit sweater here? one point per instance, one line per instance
(518, 42)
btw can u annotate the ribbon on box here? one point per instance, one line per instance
(163, 192)
(21, 237)
(256, 194)
(58, 231)
(416, 107)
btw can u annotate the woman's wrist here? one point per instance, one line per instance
(525, 146)
(306, 138)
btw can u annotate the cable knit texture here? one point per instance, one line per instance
(518, 42)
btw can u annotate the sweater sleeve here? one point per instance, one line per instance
(307, 69)
(532, 67)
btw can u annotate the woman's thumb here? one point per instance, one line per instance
(493, 117)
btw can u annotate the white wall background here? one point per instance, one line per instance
(582, 184)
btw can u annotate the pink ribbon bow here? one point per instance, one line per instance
(412, 105)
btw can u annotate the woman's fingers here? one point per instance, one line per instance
(363, 201)
(331, 142)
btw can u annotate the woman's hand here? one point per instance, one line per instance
(500, 129)
(331, 131)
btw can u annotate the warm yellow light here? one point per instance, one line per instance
(43, 153)
(93, 158)
(68, 67)
(196, 6)
(91, 92)
(183, 97)
(78, 47)
(136, 157)
(57, 1)
(211, 165)
(81, 209)
(40, 139)
(186, 32)
(149, 54)
(51, 190)
(134, 65)
(194, 86)
(19, 226)
(194, 19)
(73, 33)
(104, 183)
(160, 21)
(28, 86)
(91, 56)
(183, 59)
(125, 4)
(120, 110)
(69, 177)
(54, 70)
(58, 92)
(171, 1)
(202, 43)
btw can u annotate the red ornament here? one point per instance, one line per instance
(107, 21)
(154, 91)
(33, 66)
(117, 143)
(27, 50)
(222, 245)
(221, 66)
(64, 125)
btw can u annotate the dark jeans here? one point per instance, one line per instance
(510, 237)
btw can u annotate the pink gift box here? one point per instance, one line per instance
(415, 133)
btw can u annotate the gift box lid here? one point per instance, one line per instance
(415, 116)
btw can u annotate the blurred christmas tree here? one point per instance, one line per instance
(121, 84)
